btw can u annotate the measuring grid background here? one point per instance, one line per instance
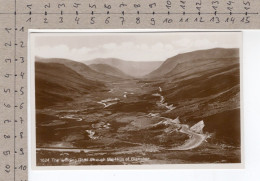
(16, 17)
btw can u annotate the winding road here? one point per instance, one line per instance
(194, 141)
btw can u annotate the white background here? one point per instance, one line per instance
(251, 109)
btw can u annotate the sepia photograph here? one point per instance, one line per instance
(136, 98)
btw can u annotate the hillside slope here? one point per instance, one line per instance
(187, 60)
(81, 68)
(204, 88)
(56, 83)
(109, 70)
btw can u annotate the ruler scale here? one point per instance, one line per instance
(13, 127)
(17, 16)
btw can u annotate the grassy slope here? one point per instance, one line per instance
(56, 83)
(172, 62)
(109, 70)
(82, 69)
(205, 89)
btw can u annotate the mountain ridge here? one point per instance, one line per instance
(109, 70)
(132, 68)
(81, 68)
(169, 64)
(56, 83)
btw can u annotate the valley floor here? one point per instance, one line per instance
(126, 124)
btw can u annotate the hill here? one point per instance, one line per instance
(132, 68)
(109, 70)
(55, 83)
(82, 69)
(188, 60)
(203, 85)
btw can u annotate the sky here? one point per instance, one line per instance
(130, 46)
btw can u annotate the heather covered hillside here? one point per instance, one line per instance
(206, 87)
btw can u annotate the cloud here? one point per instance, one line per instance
(62, 51)
(110, 46)
(135, 48)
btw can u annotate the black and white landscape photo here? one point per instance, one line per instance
(137, 98)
